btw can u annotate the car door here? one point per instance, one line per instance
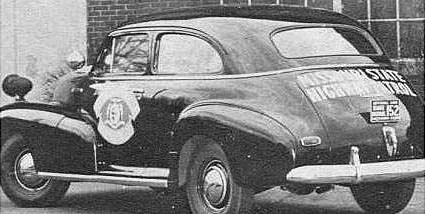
(118, 107)
(168, 90)
(139, 101)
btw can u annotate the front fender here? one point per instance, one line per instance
(260, 149)
(58, 117)
(60, 140)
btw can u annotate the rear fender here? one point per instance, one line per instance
(260, 150)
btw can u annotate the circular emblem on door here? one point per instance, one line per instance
(116, 111)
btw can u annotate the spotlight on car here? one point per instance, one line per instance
(16, 86)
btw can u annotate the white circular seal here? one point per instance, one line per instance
(115, 110)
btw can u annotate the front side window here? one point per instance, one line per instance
(130, 54)
(324, 41)
(185, 54)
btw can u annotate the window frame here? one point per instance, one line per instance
(97, 68)
(112, 36)
(365, 33)
(156, 48)
(149, 37)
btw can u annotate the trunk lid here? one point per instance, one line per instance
(343, 99)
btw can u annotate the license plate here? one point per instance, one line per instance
(385, 111)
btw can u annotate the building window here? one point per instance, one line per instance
(398, 24)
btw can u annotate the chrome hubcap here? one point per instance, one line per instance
(26, 174)
(215, 186)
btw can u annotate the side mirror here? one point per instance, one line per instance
(76, 60)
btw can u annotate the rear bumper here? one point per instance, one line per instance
(355, 172)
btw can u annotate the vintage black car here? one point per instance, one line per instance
(219, 103)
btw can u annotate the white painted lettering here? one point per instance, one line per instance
(409, 91)
(327, 89)
(396, 88)
(404, 88)
(397, 75)
(388, 86)
(320, 78)
(338, 90)
(378, 72)
(349, 89)
(313, 95)
(387, 75)
(321, 93)
(305, 81)
(372, 73)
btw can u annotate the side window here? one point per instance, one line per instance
(185, 54)
(130, 54)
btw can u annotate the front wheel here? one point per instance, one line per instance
(19, 179)
(388, 197)
(210, 188)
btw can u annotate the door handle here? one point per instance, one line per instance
(77, 91)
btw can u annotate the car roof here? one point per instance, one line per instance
(270, 12)
(243, 31)
(246, 41)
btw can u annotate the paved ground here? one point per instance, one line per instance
(92, 198)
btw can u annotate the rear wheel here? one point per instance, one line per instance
(20, 181)
(389, 197)
(211, 188)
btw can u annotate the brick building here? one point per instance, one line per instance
(399, 24)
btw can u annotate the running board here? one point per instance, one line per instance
(150, 182)
(137, 171)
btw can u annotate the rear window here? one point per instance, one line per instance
(324, 41)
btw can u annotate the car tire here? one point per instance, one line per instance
(18, 178)
(210, 187)
(388, 197)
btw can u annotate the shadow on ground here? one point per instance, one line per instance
(129, 200)
(95, 198)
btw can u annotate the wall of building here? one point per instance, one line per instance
(398, 24)
(37, 35)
